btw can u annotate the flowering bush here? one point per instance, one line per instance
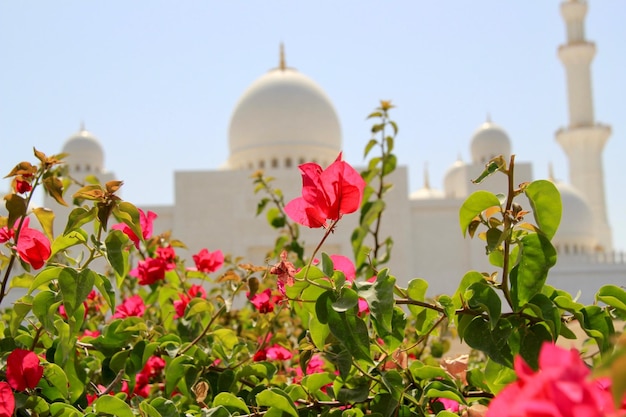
(127, 328)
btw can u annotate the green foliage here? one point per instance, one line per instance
(313, 339)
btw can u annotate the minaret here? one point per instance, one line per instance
(583, 139)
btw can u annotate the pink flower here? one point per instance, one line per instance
(149, 271)
(145, 221)
(278, 353)
(285, 272)
(560, 388)
(326, 194)
(181, 305)
(264, 301)
(208, 262)
(345, 265)
(131, 307)
(33, 247)
(23, 369)
(7, 400)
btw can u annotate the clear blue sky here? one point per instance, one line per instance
(156, 81)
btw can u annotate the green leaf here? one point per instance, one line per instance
(545, 201)
(494, 165)
(394, 383)
(75, 287)
(117, 254)
(64, 410)
(483, 297)
(57, 378)
(44, 277)
(613, 296)
(537, 256)
(128, 214)
(228, 399)
(111, 405)
(78, 217)
(475, 204)
(165, 407)
(327, 265)
(357, 393)
(498, 375)
(348, 299)
(416, 290)
(148, 410)
(443, 389)
(275, 218)
(278, 399)
(72, 238)
(175, 371)
(480, 335)
(369, 146)
(46, 220)
(379, 297)
(319, 332)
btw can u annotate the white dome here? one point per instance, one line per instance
(283, 114)
(84, 152)
(575, 232)
(489, 141)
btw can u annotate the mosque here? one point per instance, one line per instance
(284, 118)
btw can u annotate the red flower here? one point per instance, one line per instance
(23, 369)
(561, 388)
(32, 245)
(285, 272)
(7, 400)
(145, 221)
(326, 194)
(22, 186)
(207, 261)
(264, 301)
(131, 307)
(181, 305)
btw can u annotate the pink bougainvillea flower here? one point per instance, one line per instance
(145, 221)
(33, 247)
(285, 272)
(7, 400)
(560, 388)
(181, 305)
(131, 307)
(278, 353)
(345, 265)
(208, 261)
(327, 194)
(23, 369)
(314, 366)
(264, 301)
(168, 254)
(149, 271)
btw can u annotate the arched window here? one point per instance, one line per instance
(288, 162)
(274, 163)
(261, 164)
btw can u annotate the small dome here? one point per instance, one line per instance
(283, 114)
(84, 152)
(489, 141)
(575, 232)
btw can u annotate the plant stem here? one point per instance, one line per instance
(506, 229)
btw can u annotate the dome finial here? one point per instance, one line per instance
(82, 126)
(282, 65)
(488, 119)
(426, 177)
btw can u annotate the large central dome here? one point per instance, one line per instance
(284, 118)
